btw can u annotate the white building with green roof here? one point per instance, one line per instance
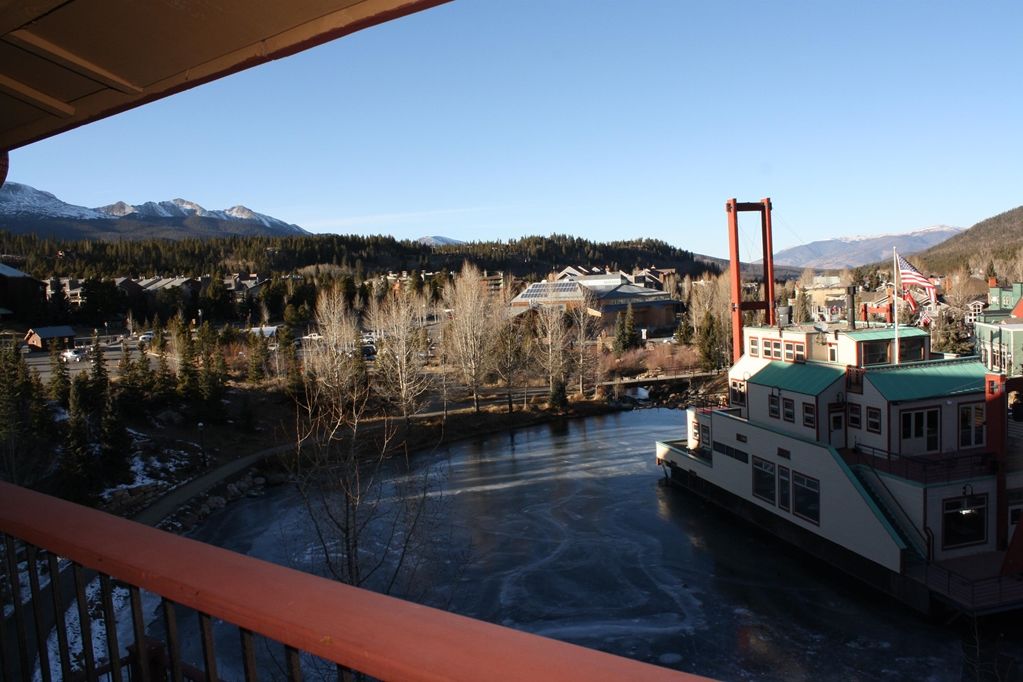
(889, 464)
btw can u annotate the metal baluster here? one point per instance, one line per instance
(58, 617)
(19, 614)
(138, 625)
(170, 618)
(84, 623)
(248, 655)
(209, 655)
(37, 610)
(113, 650)
(5, 671)
(294, 663)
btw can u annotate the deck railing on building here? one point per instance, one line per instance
(51, 550)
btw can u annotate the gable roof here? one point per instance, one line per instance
(58, 332)
(808, 378)
(929, 379)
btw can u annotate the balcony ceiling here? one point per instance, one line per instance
(64, 63)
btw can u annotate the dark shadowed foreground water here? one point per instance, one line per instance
(567, 530)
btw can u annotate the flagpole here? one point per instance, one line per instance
(895, 302)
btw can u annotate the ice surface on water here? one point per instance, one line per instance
(571, 534)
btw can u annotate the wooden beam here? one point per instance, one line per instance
(40, 100)
(55, 53)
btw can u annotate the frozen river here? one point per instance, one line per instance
(567, 530)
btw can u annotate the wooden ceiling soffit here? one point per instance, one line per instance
(118, 94)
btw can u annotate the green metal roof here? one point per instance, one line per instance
(886, 334)
(920, 380)
(807, 378)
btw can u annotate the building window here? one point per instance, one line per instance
(873, 420)
(741, 437)
(832, 353)
(806, 497)
(729, 451)
(854, 380)
(964, 521)
(874, 352)
(789, 410)
(971, 425)
(911, 349)
(855, 416)
(764, 484)
(790, 353)
(784, 488)
(705, 436)
(773, 408)
(800, 352)
(920, 430)
(754, 346)
(776, 345)
(836, 421)
(810, 415)
(737, 392)
(784, 454)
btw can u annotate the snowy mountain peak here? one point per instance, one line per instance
(845, 252)
(22, 200)
(436, 240)
(27, 203)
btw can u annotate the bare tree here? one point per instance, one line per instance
(401, 350)
(584, 331)
(470, 329)
(511, 351)
(552, 344)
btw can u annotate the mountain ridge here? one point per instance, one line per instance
(24, 208)
(853, 251)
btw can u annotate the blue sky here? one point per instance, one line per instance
(493, 119)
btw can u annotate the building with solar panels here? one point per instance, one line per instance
(605, 296)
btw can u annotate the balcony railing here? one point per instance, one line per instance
(926, 469)
(349, 628)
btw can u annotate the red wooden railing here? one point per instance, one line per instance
(380, 636)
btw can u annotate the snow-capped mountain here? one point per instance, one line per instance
(22, 200)
(439, 241)
(182, 208)
(849, 252)
(24, 208)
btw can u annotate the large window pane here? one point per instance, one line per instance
(763, 479)
(806, 497)
(964, 521)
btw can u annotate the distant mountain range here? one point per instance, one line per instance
(439, 241)
(26, 209)
(850, 252)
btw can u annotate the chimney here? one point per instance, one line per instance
(850, 306)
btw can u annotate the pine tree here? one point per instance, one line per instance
(114, 442)
(621, 341)
(77, 467)
(188, 381)
(709, 342)
(60, 379)
(631, 334)
(100, 378)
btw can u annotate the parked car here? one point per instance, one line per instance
(73, 355)
(146, 337)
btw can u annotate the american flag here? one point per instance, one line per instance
(911, 275)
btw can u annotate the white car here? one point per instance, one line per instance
(146, 337)
(73, 355)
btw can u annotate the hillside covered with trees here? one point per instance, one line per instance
(999, 238)
(528, 257)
